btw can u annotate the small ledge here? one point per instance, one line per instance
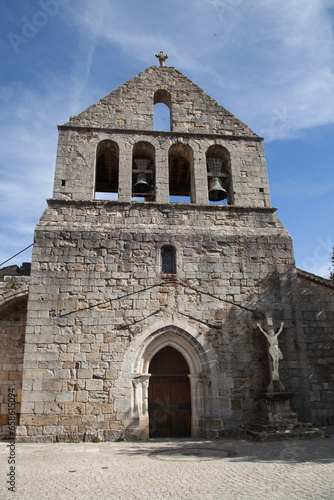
(181, 207)
(158, 133)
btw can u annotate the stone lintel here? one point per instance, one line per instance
(159, 133)
(181, 207)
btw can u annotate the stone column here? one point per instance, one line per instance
(196, 391)
(125, 173)
(140, 405)
(161, 174)
(199, 186)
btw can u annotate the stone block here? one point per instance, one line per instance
(81, 396)
(94, 385)
(70, 419)
(107, 408)
(93, 408)
(74, 408)
(50, 429)
(85, 373)
(39, 420)
(4, 419)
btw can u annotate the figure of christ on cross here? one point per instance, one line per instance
(274, 350)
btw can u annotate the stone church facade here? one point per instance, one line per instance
(139, 317)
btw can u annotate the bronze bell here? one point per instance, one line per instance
(142, 186)
(216, 191)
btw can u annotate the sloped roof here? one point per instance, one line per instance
(315, 278)
(130, 106)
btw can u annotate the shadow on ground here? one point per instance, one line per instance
(289, 451)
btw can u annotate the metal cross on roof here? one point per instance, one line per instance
(162, 58)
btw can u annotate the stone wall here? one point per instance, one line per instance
(125, 116)
(100, 306)
(97, 286)
(317, 304)
(76, 160)
(130, 107)
(12, 334)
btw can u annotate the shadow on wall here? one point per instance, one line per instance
(12, 333)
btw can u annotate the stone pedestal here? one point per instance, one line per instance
(278, 421)
(276, 409)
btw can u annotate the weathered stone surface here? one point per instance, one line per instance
(317, 304)
(13, 307)
(101, 303)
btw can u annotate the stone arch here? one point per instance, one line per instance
(178, 339)
(219, 167)
(203, 371)
(106, 169)
(13, 317)
(143, 171)
(181, 173)
(11, 297)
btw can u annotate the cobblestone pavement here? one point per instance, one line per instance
(179, 469)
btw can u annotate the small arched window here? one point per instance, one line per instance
(162, 115)
(168, 259)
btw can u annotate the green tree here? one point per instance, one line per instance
(331, 269)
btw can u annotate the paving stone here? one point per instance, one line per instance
(180, 469)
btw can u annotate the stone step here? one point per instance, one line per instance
(268, 433)
(283, 426)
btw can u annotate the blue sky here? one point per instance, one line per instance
(268, 62)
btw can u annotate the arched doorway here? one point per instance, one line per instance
(169, 398)
(203, 373)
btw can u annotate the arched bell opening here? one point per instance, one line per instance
(143, 160)
(218, 171)
(169, 395)
(106, 173)
(181, 182)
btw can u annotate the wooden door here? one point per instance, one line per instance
(169, 402)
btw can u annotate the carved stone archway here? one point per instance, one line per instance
(203, 373)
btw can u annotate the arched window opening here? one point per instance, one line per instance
(107, 165)
(169, 397)
(162, 111)
(219, 179)
(161, 117)
(143, 159)
(180, 161)
(168, 259)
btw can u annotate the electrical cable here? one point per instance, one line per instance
(16, 255)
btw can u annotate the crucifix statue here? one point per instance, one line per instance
(274, 350)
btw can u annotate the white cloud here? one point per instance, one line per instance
(28, 142)
(270, 63)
